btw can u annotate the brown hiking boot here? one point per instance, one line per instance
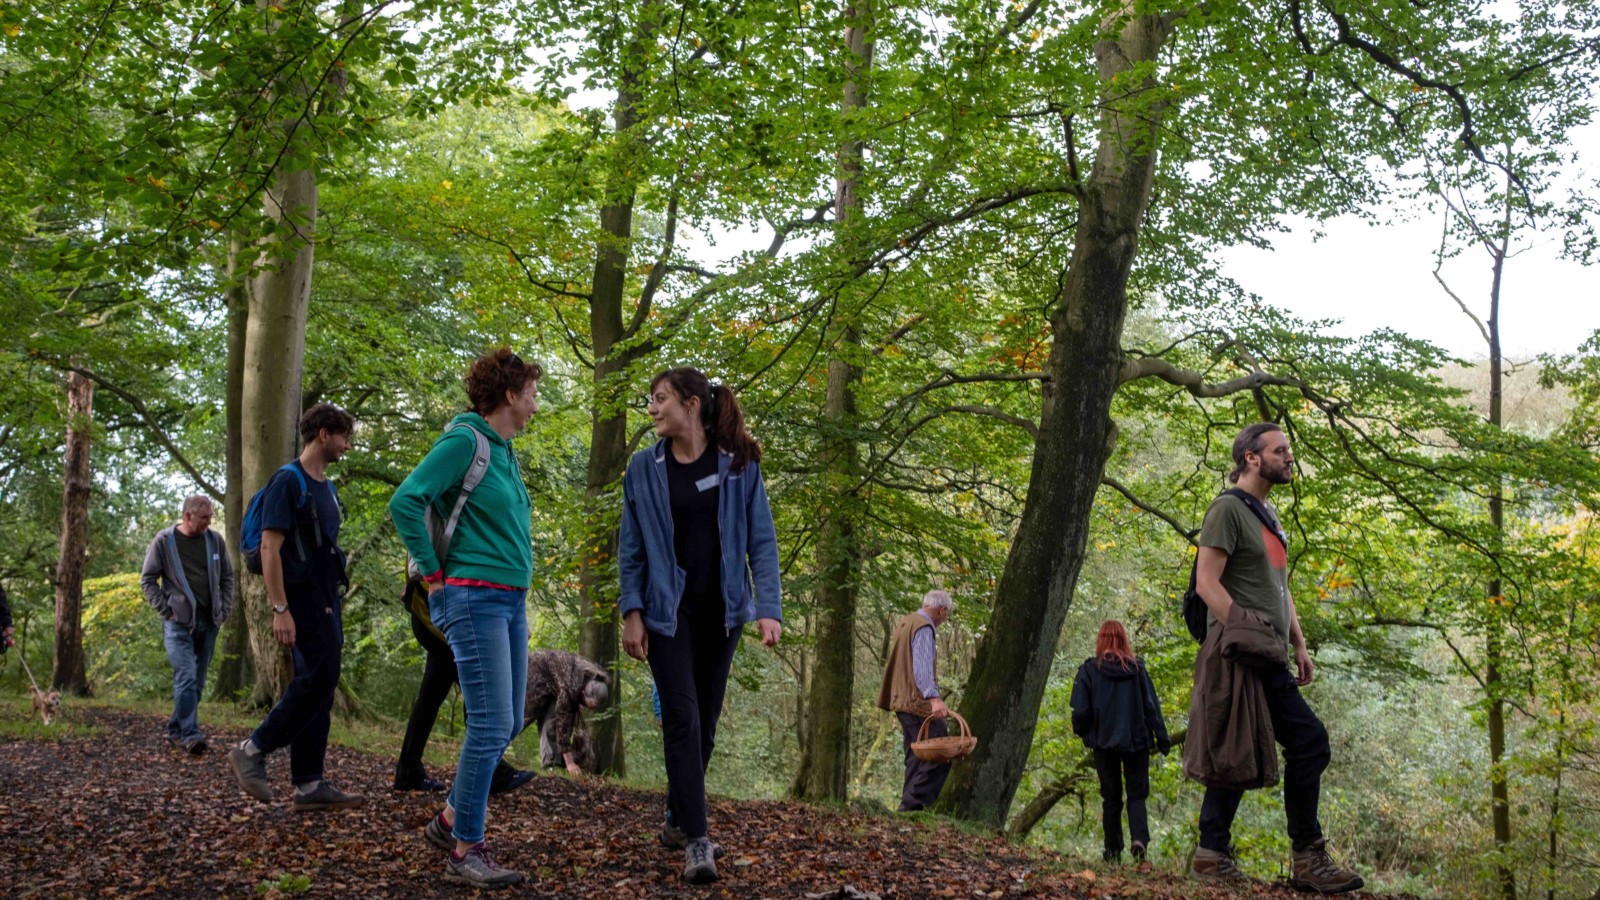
(1315, 870)
(1216, 867)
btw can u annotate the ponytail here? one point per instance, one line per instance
(720, 415)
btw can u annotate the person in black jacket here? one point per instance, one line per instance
(1117, 713)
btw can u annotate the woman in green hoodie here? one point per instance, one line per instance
(477, 591)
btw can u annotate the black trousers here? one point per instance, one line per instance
(438, 676)
(302, 715)
(924, 780)
(691, 672)
(1118, 770)
(1305, 756)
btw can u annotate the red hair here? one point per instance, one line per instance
(1112, 645)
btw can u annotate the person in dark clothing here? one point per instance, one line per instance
(698, 559)
(304, 572)
(7, 630)
(438, 677)
(188, 579)
(1117, 713)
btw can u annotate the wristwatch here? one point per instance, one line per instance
(280, 609)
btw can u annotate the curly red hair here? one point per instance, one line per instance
(493, 374)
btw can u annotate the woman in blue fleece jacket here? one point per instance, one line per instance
(698, 558)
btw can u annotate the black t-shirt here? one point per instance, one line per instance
(193, 552)
(696, 539)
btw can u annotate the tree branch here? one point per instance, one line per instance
(138, 406)
(1188, 533)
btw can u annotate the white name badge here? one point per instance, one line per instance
(706, 483)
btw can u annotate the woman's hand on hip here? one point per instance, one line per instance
(635, 642)
(771, 630)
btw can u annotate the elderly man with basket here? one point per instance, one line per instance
(911, 692)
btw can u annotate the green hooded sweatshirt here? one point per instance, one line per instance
(492, 541)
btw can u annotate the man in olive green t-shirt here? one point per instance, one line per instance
(1243, 561)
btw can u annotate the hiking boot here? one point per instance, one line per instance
(700, 864)
(438, 833)
(251, 771)
(1315, 870)
(1216, 866)
(195, 747)
(477, 868)
(325, 796)
(673, 838)
(507, 779)
(1141, 860)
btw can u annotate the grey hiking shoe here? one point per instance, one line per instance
(1315, 870)
(700, 864)
(326, 796)
(1217, 867)
(478, 869)
(251, 771)
(438, 833)
(673, 838)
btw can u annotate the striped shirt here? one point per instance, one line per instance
(922, 652)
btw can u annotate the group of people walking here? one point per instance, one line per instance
(698, 561)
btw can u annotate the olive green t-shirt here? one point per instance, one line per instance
(1257, 573)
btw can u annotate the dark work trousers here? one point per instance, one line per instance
(924, 780)
(691, 672)
(1117, 769)
(300, 719)
(1305, 756)
(438, 677)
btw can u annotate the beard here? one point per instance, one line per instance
(1278, 475)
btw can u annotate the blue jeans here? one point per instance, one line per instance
(190, 655)
(488, 632)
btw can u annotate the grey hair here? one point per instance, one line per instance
(194, 503)
(937, 599)
(596, 692)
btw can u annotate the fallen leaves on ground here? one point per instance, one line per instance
(118, 813)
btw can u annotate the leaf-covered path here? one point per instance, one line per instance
(117, 813)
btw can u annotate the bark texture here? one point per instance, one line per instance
(68, 675)
(824, 772)
(274, 365)
(235, 673)
(1003, 693)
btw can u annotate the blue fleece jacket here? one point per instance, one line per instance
(651, 579)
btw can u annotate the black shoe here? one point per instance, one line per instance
(415, 779)
(195, 746)
(506, 779)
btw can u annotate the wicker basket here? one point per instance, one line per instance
(944, 749)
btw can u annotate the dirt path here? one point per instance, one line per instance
(119, 814)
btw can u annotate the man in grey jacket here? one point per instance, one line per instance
(188, 579)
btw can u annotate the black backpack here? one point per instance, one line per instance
(1194, 609)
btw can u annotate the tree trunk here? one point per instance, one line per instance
(274, 364)
(1002, 696)
(1499, 792)
(824, 772)
(69, 675)
(608, 437)
(234, 672)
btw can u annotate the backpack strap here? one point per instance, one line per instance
(293, 468)
(469, 482)
(1262, 513)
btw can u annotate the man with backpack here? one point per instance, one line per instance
(188, 579)
(291, 532)
(1241, 575)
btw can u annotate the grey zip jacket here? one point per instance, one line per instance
(166, 588)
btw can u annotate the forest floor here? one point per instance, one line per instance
(98, 805)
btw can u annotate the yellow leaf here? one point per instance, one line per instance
(157, 183)
(13, 30)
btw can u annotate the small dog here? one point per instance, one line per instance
(46, 704)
